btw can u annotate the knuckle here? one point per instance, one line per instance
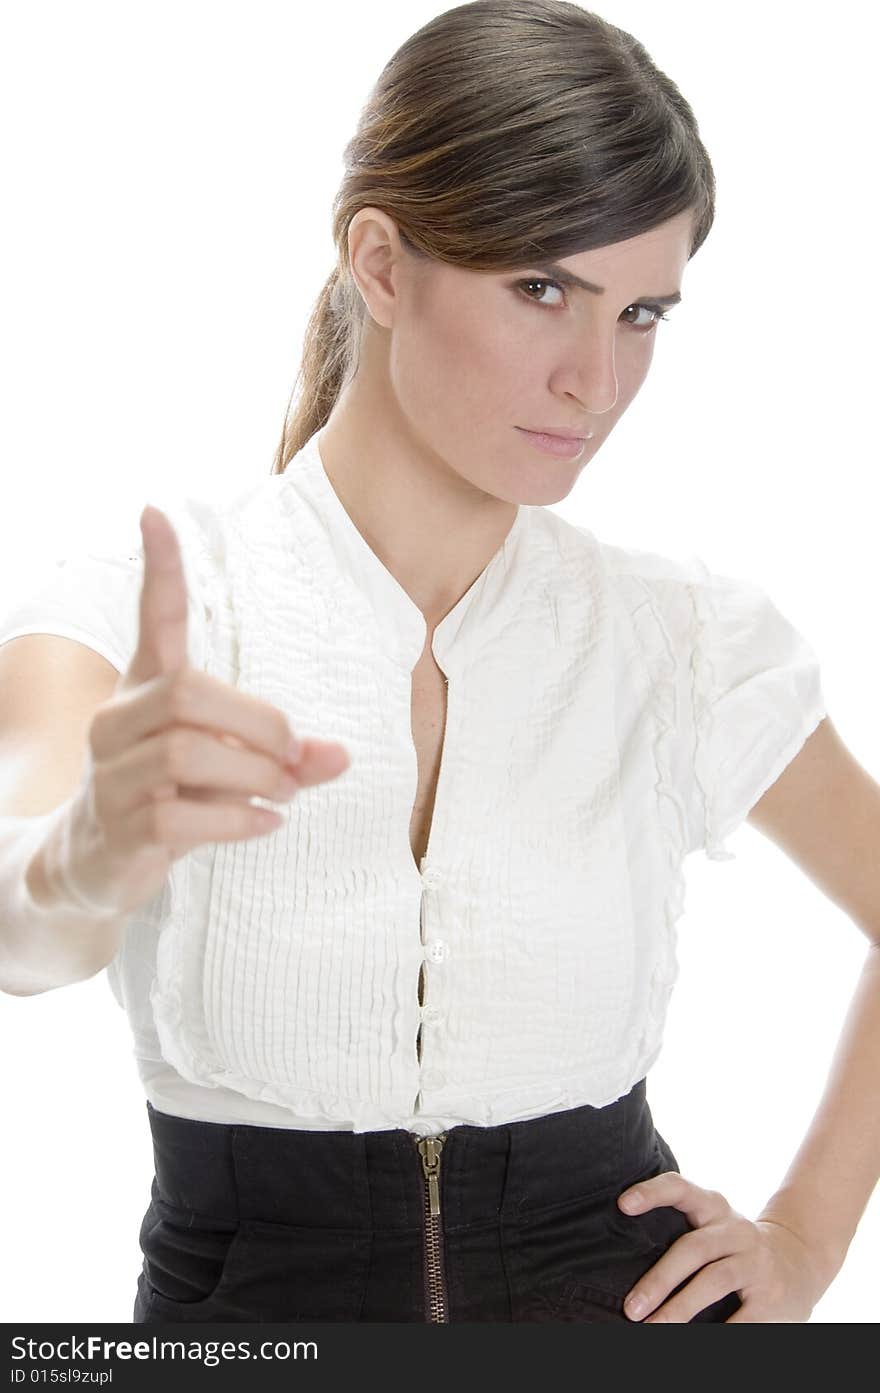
(182, 694)
(725, 1275)
(175, 755)
(275, 784)
(161, 822)
(766, 1266)
(699, 1239)
(731, 1271)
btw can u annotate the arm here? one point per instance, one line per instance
(50, 688)
(824, 812)
(44, 944)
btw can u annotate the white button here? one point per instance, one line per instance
(432, 1014)
(432, 877)
(437, 951)
(432, 1078)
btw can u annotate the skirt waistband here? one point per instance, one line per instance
(370, 1180)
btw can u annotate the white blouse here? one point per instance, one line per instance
(609, 712)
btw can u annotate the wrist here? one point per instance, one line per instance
(823, 1262)
(49, 880)
(45, 942)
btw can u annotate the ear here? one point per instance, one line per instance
(375, 254)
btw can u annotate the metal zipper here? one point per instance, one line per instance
(436, 1298)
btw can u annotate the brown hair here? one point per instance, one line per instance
(502, 132)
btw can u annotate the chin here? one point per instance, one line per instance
(542, 489)
(544, 498)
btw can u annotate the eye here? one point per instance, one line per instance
(655, 310)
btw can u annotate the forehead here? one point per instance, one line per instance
(660, 254)
(664, 248)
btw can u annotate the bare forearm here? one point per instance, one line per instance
(830, 1181)
(43, 944)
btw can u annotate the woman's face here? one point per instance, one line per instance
(471, 358)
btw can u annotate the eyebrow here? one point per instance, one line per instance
(551, 268)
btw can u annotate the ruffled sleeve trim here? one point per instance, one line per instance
(704, 687)
(660, 657)
(737, 755)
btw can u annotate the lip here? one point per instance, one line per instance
(562, 446)
(548, 430)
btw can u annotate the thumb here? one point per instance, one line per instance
(161, 646)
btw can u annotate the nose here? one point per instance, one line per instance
(588, 402)
(596, 387)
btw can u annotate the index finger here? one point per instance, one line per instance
(162, 629)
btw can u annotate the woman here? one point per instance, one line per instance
(403, 1079)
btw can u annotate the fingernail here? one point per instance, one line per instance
(294, 752)
(632, 1200)
(635, 1305)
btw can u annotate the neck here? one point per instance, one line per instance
(432, 529)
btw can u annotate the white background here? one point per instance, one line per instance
(168, 172)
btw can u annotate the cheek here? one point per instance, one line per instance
(448, 367)
(632, 369)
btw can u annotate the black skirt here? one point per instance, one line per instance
(517, 1222)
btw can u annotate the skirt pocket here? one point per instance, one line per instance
(572, 1262)
(260, 1271)
(579, 1261)
(655, 1231)
(187, 1257)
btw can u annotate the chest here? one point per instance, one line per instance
(428, 716)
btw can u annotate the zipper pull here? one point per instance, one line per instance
(429, 1150)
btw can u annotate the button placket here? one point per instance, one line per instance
(435, 951)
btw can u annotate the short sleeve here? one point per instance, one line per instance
(91, 598)
(94, 597)
(756, 690)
